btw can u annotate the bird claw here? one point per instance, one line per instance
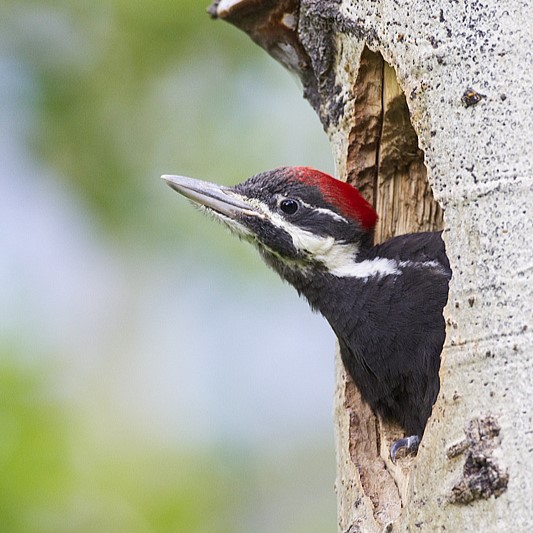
(410, 444)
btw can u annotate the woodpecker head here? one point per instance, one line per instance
(298, 217)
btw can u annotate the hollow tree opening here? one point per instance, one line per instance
(386, 164)
(384, 161)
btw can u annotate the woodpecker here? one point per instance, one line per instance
(385, 302)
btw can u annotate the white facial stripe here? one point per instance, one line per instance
(324, 211)
(339, 259)
(332, 214)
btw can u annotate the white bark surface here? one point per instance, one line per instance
(479, 161)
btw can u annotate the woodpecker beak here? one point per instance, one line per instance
(220, 199)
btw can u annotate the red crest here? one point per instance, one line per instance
(346, 198)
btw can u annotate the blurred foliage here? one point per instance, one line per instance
(124, 92)
(33, 448)
(49, 481)
(95, 66)
(55, 477)
(119, 93)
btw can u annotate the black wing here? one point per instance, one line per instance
(394, 332)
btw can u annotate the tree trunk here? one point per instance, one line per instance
(426, 106)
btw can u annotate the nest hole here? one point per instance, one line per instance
(385, 162)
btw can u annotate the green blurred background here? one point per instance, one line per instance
(154, 375)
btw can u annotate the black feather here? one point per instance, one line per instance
(391, 329)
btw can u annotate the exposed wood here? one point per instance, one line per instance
(384, 161)
(272, 24)
(364, 447)
(403, 195)
(365, 133)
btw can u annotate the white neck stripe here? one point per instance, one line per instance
(381, 266)
(367, 268)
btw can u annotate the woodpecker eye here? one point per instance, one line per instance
(289, 206)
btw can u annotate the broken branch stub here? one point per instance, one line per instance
(271, 24)
(300, 36)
